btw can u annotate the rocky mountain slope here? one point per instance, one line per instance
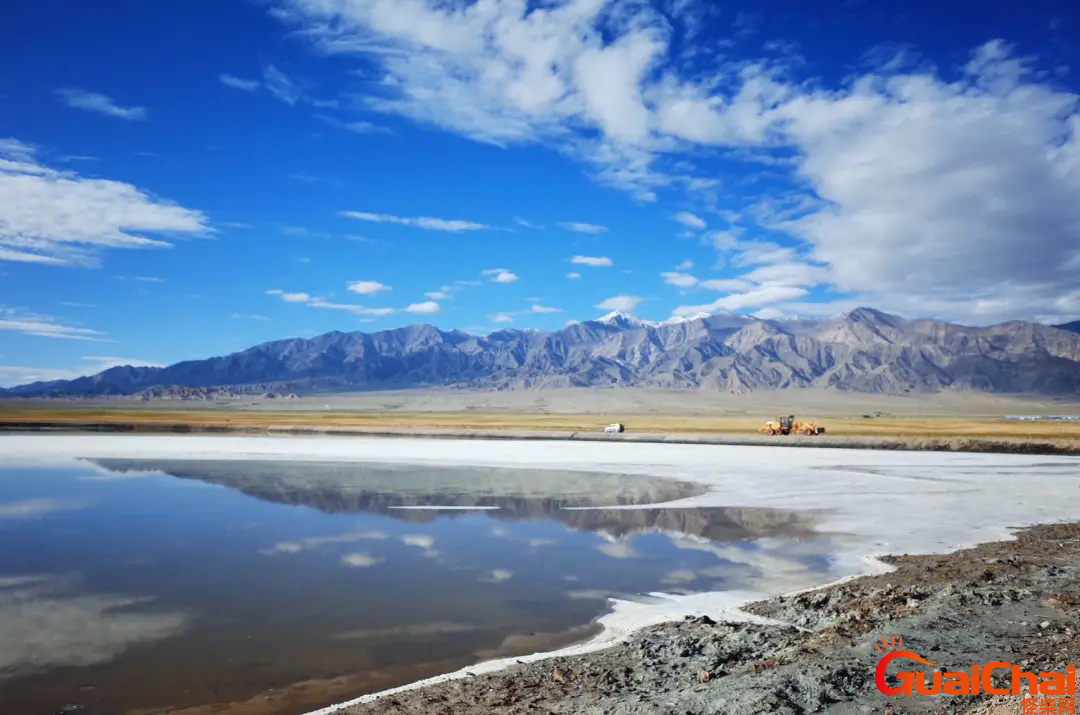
(864, 350)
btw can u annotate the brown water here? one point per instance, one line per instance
(263, 587)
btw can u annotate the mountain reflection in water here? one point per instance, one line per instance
(153, 585)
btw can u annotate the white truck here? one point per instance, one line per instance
(614, 428)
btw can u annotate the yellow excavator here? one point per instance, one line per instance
(788, 425)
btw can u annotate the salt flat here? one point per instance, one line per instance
(885, 502)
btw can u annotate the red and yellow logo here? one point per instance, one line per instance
(979, 679)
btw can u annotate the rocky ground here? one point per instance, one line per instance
(1016, 601)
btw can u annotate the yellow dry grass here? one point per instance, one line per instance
(937, 427)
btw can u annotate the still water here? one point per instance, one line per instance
(132, 586)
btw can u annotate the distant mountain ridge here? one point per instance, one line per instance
(1073, 327)
(864, 350)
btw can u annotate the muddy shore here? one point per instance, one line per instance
(1013, 601)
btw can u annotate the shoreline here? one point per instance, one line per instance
(987, 444)
(804, 652)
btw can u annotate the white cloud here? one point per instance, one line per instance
(290, 297)
(240, 316)
(545, 310)
(690, 220)
(681, 280)
(685, 266)
(315, 542)
(620, 303)
(360, 560)
(429, 306)
(738, 301)
(617, 550)
(574, 276)
(594, 261)
(500, 275)
(584, 227)
(502, 318)
(368, 287)
(497, 576)
(99, 103)
(61, 218)
(246, 85)
(437, 295)
(899, 175)
(420, 541)
(425, 222)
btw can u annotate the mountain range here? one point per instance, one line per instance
(864, 350)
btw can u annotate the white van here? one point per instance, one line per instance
(614, 427)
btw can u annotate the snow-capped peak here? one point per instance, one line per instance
(675, 320)
(623, 319)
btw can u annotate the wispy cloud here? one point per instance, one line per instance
(307, 178)
(681, 280)
(43, 326)
(620, 303)
(591, 228)
(105, 363)
(574, 276)
(314, 542)
(593, 261)
(99, 103)
(315, 302)
(240, 316)
(279, 85)
(425, 222)
(44, 626)
(245, 85)
(11, 376)
(35, 508)
(56, 217)
(291, 297)
(302, 232)
(355, 126)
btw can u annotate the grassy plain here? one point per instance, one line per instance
(565, 412)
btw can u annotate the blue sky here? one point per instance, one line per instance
(180, 180)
